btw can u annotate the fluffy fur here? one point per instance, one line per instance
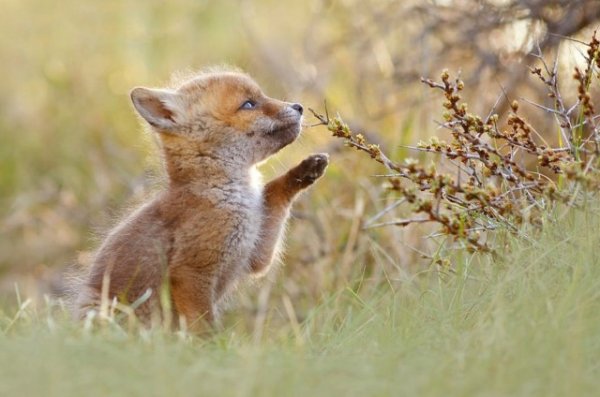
(215, 224)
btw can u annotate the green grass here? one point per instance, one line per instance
(528, 324)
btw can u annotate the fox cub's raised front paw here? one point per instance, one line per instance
(310, 169)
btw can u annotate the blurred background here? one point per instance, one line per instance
(74, 158)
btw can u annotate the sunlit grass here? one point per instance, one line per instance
(524, 325)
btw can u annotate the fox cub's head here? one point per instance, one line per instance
(224, 115)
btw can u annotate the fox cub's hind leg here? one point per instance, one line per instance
(277, 199)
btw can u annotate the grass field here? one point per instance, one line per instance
(525, 325)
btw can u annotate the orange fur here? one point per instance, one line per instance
(214, 225)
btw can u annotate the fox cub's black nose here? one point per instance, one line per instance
(298, 107)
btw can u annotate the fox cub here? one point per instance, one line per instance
(215, 224)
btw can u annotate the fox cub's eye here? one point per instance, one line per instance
(248, 105)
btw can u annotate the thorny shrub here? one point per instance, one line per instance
(506, 175)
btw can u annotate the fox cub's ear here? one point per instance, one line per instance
(160, 108)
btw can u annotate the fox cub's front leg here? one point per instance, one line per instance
(277, 199)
